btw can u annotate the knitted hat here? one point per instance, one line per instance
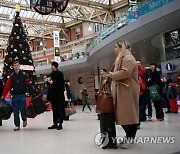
(55, 64)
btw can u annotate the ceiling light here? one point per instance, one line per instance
(41, 44)
(2, 28)
(89, 28)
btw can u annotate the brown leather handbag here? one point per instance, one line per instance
(105, 100)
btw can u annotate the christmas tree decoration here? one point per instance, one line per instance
(18, 49)
(24, 58)
(10, 59)
(11, 39)
(20, 45)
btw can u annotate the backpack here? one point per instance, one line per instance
(154, 92)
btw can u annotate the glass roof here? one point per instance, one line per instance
(82, 10)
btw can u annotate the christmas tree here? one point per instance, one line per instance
(18, 49)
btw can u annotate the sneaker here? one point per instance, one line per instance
(53, 127)
(25, 123)
(168, 112)
(162, 119)
(59, 127)
(16, 128)
(149, 118)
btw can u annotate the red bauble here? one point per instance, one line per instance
(10, 59)
(11, 39)
(20, 45)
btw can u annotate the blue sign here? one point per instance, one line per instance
(146, 8)
(169, 67)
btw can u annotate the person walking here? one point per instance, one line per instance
(85, 99)
(56, 95)
(18, 82)
(125, 91)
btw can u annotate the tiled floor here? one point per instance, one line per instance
(77, 136)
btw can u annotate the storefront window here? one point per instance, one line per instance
(78, 33)
(172, 44)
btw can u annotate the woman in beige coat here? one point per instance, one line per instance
(125, 90)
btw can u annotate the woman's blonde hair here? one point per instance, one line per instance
(125, 45)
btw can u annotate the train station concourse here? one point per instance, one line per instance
(89, 76)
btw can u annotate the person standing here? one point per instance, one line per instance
(18, 82)
(142, 104)
(154, 79)
(125, 91)
(147, 98)
(56, 95)
(1, 90)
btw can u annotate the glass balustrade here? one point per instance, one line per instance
(127, 17)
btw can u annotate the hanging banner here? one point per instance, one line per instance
(56, 38)
(56, 46)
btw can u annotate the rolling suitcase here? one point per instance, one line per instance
(107, 127)
(38, 104)
(173, 105)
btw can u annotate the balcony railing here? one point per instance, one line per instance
(127, 17)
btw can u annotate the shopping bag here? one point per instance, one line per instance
(70, 110)
(38, 104)
(30, 112)
(5, 109)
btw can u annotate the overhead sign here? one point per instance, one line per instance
(56, 46)
(169, 66)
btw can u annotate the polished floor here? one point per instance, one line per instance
(77, 136)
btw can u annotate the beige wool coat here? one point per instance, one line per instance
(127, 91)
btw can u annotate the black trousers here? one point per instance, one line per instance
(159, 109)
(58, 104)
(0, 122)
(147, 99)
(130, 130)
(84, 105)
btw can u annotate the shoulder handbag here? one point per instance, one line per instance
(154, 92)
(105, 100)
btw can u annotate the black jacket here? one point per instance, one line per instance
(155, 79)
(56, 89)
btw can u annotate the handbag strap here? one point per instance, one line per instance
(106, 87)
